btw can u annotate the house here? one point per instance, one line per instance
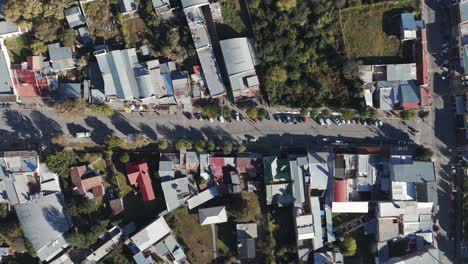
(246, 235)
(328, 257)
(106, 243)
(74, 16)
(156, 239)
(116, 206)
(161, 6)
(127, 6)
(176, 190)
(72, 91)
(85, 37)
(195, 11)
(87, 182)
(192, 162)
(212, 215)
(203, 197)
(9, 30)
(429, 255)
(32, 86)
(6, 84)
(248, 165)
(44, 222)
(463, 33)
(138, 175)
(61, 58)
(410, 27)
(398, 95)
(277, 177)
(221, 167)
(240, 62)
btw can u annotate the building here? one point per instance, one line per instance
(85, 38)
(246, 235)
(410, 27)
(203, 36)
(9, 30)
(72, 91)
(429, 255)
(328, 257)
(161, 6)
(463, 33)
(61, 58)
(240, 62)
(87, 182)
(74, 16)
(203, 197)
(277, 177)
(212, 215)
(106, 243)
(127, 6)
(138, 175)
(33, 86)
(157, 239)
(6, 84)
(44, 222)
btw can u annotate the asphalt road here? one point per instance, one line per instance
(441, 119)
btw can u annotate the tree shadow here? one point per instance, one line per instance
(48, 127)
(56, 218)
(21, 124)
(122, 124)
(100, 130)
(148, 131)
(76, 128)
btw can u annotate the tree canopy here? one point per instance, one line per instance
(61, 161)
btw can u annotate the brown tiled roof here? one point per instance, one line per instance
(116, 206)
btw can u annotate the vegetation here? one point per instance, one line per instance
(424, 154)
(326, 113)
(61, 161)
(86, 237)
(113, 141)
(305, 112)
(210, 145)
(234, 21)
(314, 113)
(263, 113)
(103, 109)
(182, 145)
(124, 158)
(349, 247)
(200, 145)
(377, 20)
(301, 54)
(252, 113)
(408, 114)
(348, 114)
(3, 210)
(227, 148)
(241, 148)
(163, 144)
(212, 110)
(103, 26)
(79, 205)
(71, 108)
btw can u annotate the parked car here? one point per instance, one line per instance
(237, 116)
(288, 119)
(211, 120)
(321, 121)
(221, 119)
(337, 120)
(328, 121)
(294, 119)
(444, 51)
(86, 134)
(348, 121)
(380, 123)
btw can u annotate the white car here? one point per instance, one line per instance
(237, 115)
(328, 121)
(83, 135)
(211, 120)
(380, 123)
(348, 122)
(321, 121)
(221, 119)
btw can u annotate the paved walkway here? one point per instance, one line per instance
(213, 237)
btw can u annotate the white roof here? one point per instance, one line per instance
(151, 234)
(305, 228)
(407, 208)
(402, 191)
(212, 215)
(350, 207)
(203, 197)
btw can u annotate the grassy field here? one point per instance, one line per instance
(373, 30)
(196, 239)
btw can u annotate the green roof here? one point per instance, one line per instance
(276, 170)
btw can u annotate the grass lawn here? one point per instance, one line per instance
(102, 24)
(235, 21)
(373, 30)
(196, 239)
(134, 30)
(18, 48)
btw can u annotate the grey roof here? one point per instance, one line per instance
(318, 235)
(44, 221)
(418, 171)
(237, 56)
(169, 246)
(73, 16)
(297, 178)
(427, 192)
(6, 86)
(71, 91)
(463, 11)
(175, 191)
(387, 228)
(61, 57)
(189, 3)
(425, 256)
(161, 6)
(246, 249)
(318, 168)
(401, 72)
(8, 27)
(203, 197)
(191, 157)
(127, 6)
(246, 230)
(97, 96)
(211, 71)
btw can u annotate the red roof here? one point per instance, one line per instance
(410, 105)
(30, 83)
(216, 165)
(340, 193)
(138, 175)
(426, 97)
(94, 184)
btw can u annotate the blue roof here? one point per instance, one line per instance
(408, 22)
(406, 91)
(168, 84)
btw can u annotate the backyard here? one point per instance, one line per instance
(102, 23)
(18, 48)
(378, 26)
(195, 239)
(134, 31)
(235, 21)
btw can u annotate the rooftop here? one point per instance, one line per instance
(151, 234)
(61, 57)
(276, 170)
(138, 175)
(8, 27)
(418, 171)
(246, 230)
(6, 85)
(74, 17)
(203, 197)
(401, 72)
(212, 215)
(463, 11)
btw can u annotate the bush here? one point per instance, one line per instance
(200, 145)
(227, 148)
(3, 210)
(163, 144)
(314, 113)
(262, 113)
(124, 158)
(373, 113)
(407, 115)
(211, 145)
(83, 239)
(212, 111)
(241, 148)
(349, 247)
(103, 110)
(348, 114)
(181, 144)
(61, 161)
(305, 112)
(113, 141)
(423, 154)
(252, 113)
(326, 113)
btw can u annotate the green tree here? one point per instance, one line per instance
(188, 145)
(81, 62)
(241, 148)
(314, 113)
(305, 112)
(69, 37)
(180, 144)
(348, 114)
(326, 113)
(262, 113)
(227, 148)
(53, 8)
(349, 247)
(200, 145)
(61, 161)
(3, 210)
(212, 111)
(278, 74)
(80, 205)
(407, 114)
(46, 30)
(103, 109)
(252, 113)
(124, 158)
(38, 47)
(163, 144)
(286, 5)
(85, 238)
(211, 145)
(113, 141)
(13, 10)
(424, 154)
(373, 113)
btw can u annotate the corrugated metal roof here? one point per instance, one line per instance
(407, 21)
(8, 27)
(74, 17)
(6, 85)
(401, 72)
(189, 3)
(236, 54)
(203, 197)
(418, 171)
(212, 215)
(151, 234)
